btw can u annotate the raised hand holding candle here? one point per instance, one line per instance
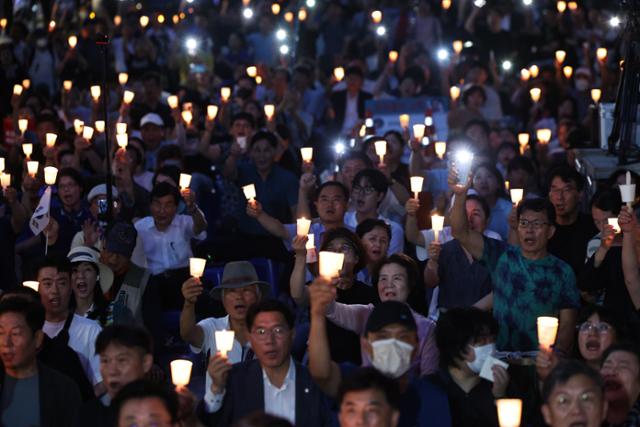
(181, 372)
(87, 132)
(187, 117)
(172, 100)
(50, 175)
(121, 128)
(416, 185)
(27, 149)
(23, 124)
(212, 112)
(26, 84)
(338, 73)
(307, 154)
(67, 85)
(509, 412)
(31, 284)
(614, 223)
(95, 92)
(516, 195)
(547, 331)
(437, 225)
(330, 264)
(596, 94)
(628, 191)
(100, 126)
(224, 341)
(457, 46)
(393, 55)
(122, 140)
(454, 92)
(249, 192)
(269, 111)
(560, 56)
(5, 180)
(252, 71)
(543, 135)
(535, 93)
(404, 121)
(225, 93)
(123, 78)
(523, 140)
(601, 54)
(17, 89)
(418, 131)
(441, 148)
(381, 149)
(128, 96)
(32, 168)
(567, 70)
(196, 267)
(78, 125)
(534, 70)
(185, 181)
(302, 226)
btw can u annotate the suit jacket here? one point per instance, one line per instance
(245, 395)
(339, 105)
(59, 397)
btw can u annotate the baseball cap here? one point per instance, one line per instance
(151, 118)
(121, 239)
(100, 189)
(390, 312)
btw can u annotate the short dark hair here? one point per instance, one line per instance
(564, 371)
(538, 204)
(152, 75)
(261, 419)
(369, 224)
(352, 238)
(395, 134)
(477, 122)
(354, 70)
(32, 311)
(141, 389)
(367, 379)
(473, 89)
(340, 185)
(521, 163)
(607, 200)
(627, 347)
(73, 174)
(165, 189)
(243, 115)
(171, 171)
(376, 179)
(169, 151)
(568, 175)
(354, 155)
(59, 262)
(457, 328)
(404, 261)
(264, 135)
(483, 204)
(270, 304)
(125, 335)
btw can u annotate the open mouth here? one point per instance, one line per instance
(389, 293)
(82, 287)
(55, 302)
(592, 345)
(240, 307)
(578, 424)
(529, 241)
(612, 384)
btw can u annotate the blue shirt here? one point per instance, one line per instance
(277, 194)
(499, 218)
(524, 289)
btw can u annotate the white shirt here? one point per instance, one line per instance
(82, 339)
(350, 115)
(397, 232)
(169, 249)
(209, 327)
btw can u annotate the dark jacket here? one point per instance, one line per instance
(93, 413)
(339, 105)
(59, 398)
(245, 395)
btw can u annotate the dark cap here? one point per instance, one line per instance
(121, 239)
(389, 312)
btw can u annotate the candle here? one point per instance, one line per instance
(185, 181)
(275, 8)
(302, 226)
(338, 73)
(454, 92)
(525, 74)
(506, 184)
(95, 92)
(123, 78)
(288, 17)
(26, 83)
(562, 6)
(560, 56)
(122, 139)
(628, 191)
(32, 168)
(463, 160)
(249, 192)
(302, 15)
(535, 93)
(17, 89)
(269, 111)
(440, 148)
(224, 341)
(2, 164)
(78, 125)
(543, 135)
(516, 195)
(614, 222)
(601, 54)
(416, 185)
(252, 71)
(187, 117)
(172, 100)
(23, 124)
(307, 154)
(212, 112)
(393, 55)
(87, 132)
(437, 224)
(5, 180)
(73, 41)
(567, 71)
(27, 149)
(547, 331)
(50, 175)
(121, 128)
(381, 149)
(446, 4)
(376, 16)
(196, 266)
(404, 121)
(67, 85)
(31, 284)
(128, 96)
(596, 94)
(330, 264)
(509, 412)
(181, 372)
(418, 131)
(144, 21)
(225, 93)
(100, 126)
(457, 46)
(534, 70)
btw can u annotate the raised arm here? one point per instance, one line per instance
(199, 221)
(307, 182)
(471, 240)
(566, 330)
(411, 230)
(299, 292)
(230, 168)
(352, 317)
(630, 266)
(189, 330)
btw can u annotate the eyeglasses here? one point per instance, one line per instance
(345, 248)
(599, 328)
(536, 224)
(263, 334)
(366, 190)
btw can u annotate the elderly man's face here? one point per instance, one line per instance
(578, 402)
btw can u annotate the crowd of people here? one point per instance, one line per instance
(431, 144)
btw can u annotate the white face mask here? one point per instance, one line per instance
(391, 356)
(482, 353)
